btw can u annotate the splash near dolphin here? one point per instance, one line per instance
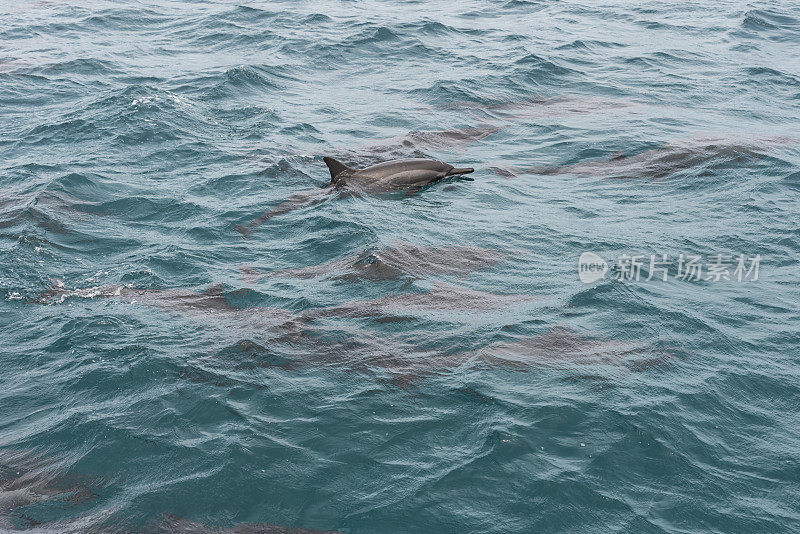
(408, 175)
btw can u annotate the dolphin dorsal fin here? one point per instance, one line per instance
(214, 290)
(336, 167)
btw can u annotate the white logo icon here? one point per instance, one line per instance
(591, 267)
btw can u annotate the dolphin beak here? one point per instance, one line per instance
(456, 171)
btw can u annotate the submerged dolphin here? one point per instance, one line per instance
(400, 260)
(405, 362)
(409, 175)
(662, 162)
(32, 484)
(172, 524)
(415, 305)
(28, 479)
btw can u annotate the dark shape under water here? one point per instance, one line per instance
(659, 162)
(27, 479)
(424, 141)
(442, 298)
(398, 261)
(408, 175)
(212, 298)
(363, 351)
(210, 304)
(176, 525)
(236, 364)
(51, 211)
(574, 352)
(539, 106)
(568, 349)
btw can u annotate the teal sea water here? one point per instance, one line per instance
(399, 363)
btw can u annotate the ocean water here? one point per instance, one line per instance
(399, 363)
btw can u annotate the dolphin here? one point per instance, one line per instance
(176, 525)
(27, 479)
(661, 162)
(408, 306)
(653, 164)
(404, 362)
(409, 175)
(400, 260)
(209, 305)
(537, 107)
(212, 299)
(398, 175)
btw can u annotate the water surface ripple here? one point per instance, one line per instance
(420, 363)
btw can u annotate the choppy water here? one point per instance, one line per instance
(423, 363)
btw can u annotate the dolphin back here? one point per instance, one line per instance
(391, 168)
